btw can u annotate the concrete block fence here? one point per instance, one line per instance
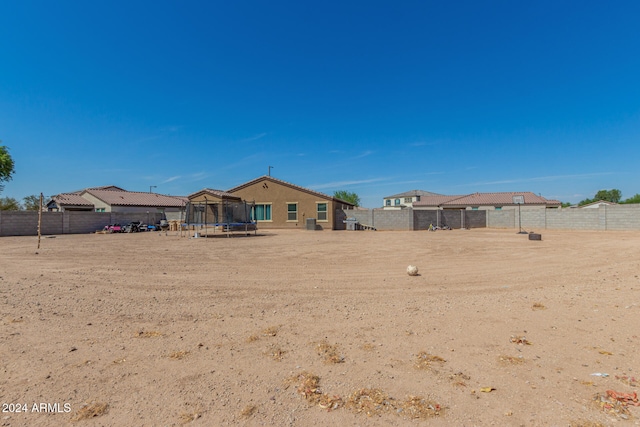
(22, 223)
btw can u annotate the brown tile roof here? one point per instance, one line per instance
(70, 199)
(288, 184)
(217, 193)
(434, 200)
(484, 199)
(135, 198)
(413, 193)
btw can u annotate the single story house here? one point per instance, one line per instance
(406, 199)
(485, 201)
(115, 199)
(279, 204)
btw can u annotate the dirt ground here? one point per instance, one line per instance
(302, 328)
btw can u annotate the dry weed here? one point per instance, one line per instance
(424, 360)
(370, 402)
(368, 347)
(271, 331)
(148, 334)
(276, 353)
(329, 352)
(584, 423)
(119, 361)
(253, 338)
(179, 355)
(186, 417)
(538, 306)
(91, 410)
(458, 379)
(519, 339)
(377, 402)
(309, 387)
(192, 413)
(511, 360)
(248, 411)
(419, 408)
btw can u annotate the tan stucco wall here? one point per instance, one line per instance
(278, 195)
(98, 204)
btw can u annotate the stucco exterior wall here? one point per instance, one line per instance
(278, 196)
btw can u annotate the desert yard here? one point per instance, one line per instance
(302, 328)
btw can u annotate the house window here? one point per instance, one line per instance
(407, 199)
(100, 210)
(292, 212)
(322, 211)
(397, 202)
(474, 208)
(261, 212)
(388, 202)
(498, 208)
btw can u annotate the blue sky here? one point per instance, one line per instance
(372, 97)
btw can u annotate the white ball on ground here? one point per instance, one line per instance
(412, 270)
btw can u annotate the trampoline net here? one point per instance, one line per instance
(218, 213)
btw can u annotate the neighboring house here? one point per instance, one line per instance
(485, 201)
(115, 199)
(595, 205)
(406, 199)
(279, 204)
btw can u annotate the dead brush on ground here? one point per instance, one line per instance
(92, 410)
(329, 352)
(309, 387)
(179, 355)
(458, 379)
(519, 339)
(275, 352)
(511, 360)
(377, 402)
(248, 411)
(425, 360)
(538, 306)
(148, 334)
(584, 423)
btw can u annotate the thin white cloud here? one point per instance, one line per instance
(254, 138)
(365, 154)
(173, 178)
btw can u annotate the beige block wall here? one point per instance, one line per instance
(279, 195)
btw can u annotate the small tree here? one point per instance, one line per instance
(634, 199)
(7, 166)
(31, 203)
(613, 196)
(347, 196)
(9, 204)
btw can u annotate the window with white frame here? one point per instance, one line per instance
(292, 212)
(407, 199)
(397, 202)
(388, 202)
(322, 212)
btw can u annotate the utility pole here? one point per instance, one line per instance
(152, 186)
(270, 167)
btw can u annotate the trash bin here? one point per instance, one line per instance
(311, 224)
(352, 224)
